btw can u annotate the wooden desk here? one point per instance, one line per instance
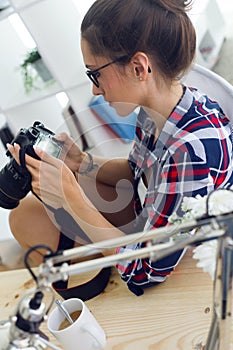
(172, 316)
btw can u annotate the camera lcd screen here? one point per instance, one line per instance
(48, 145)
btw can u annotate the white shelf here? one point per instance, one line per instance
(12, 92)
(55, 26)
(204, 15)
(47, 110)
(6, 12)
(58, 38)
(19, 4)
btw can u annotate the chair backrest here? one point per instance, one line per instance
(213, 85)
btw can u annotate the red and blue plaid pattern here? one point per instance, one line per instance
(192, 155)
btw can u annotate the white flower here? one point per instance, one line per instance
(218, 202)
(196, 206)
(206, 254)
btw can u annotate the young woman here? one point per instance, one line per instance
(136, 52)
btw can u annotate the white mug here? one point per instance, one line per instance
(4, 334)
(84, 333)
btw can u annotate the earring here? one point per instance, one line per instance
(140, 78)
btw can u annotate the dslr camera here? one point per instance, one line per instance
(15, 179)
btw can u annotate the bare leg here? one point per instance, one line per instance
(32, 224)
(115, 204)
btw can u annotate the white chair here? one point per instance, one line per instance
(213, 85)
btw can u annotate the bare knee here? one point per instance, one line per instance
(31, 224)
(22, 217)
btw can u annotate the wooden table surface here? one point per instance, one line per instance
(173, 315)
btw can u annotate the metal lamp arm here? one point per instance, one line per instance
(154, 249)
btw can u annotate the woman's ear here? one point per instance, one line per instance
(141, 66)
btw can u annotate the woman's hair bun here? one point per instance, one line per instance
(172, 5)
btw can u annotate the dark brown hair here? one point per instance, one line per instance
(160, 28)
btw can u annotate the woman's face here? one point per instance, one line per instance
(114, 82)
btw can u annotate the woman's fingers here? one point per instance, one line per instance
(43, 155)
(14, 151)
(48, 174)
(64, 138)
(61, 137)
(32, 163)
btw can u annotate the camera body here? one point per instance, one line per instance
(39, 136)
(15, 180)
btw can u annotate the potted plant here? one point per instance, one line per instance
(32, 67)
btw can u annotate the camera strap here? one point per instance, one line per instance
(87, 290)
(69, 229)
(96, 285)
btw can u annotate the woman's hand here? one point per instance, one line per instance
(52, 180)
(71, 153)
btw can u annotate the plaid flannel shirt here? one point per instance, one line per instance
(192, 155)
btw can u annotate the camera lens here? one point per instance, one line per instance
(15, 180)
(6, 202)
(15, 183)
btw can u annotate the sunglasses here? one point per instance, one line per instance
(93, 75)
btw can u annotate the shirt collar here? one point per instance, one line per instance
(177, 114)
(148, 127)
